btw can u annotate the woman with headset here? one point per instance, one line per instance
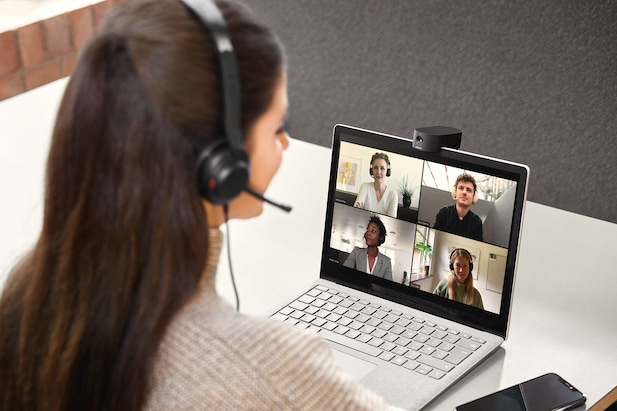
(458, 286)
(377, 196)
(115, 307)
(369, 260)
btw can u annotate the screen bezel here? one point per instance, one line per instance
(477, 318)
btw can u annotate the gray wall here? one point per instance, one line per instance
(533, 81)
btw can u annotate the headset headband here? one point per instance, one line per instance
(208, 13)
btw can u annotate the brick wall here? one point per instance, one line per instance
(42, 52)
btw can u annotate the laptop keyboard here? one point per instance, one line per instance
(388, 335)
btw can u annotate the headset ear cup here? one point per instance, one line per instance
(222, 173)
(475, 198)
(389, 172)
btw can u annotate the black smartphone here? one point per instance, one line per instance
(548, 392)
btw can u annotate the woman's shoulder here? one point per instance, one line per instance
(443, 284)
(210, 353)
(443, 281)
(215, 319)
(357, 250)
(385, 257)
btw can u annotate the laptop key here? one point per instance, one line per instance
(307, 299)
(409, 334)
(386, 356)
(355, 325)
(439, 334)
(451, 339)
(423, 369)
(403, 322)
(311, 309)
(308, 317)
(340, 310)
(344, 321)
(470, 345)
(457, 355)
(427, 350)
(435, 363)
(426, 330)
(314, 292)
(387, 346)
(446, 346)
(286, 311)
(436, 374)
(400, 350)
(298, 305)
(340, 329)
(329, 325)
(440, 355)
(335, 299)
(364, 338)
(380, 314)
(348, 342)
(412, 355)
(296, 314)
(362, 318)
(353, 333)
(376, 342)
(373, 322)
(329, 306)
(412, 365)
(379, 333)
(319, 322)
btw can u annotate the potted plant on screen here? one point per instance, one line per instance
(406, 190)
(427, 251)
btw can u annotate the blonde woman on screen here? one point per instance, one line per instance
(377, 196)
(458, 286)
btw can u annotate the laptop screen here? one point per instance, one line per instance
(434, 231)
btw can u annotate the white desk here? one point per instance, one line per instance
(564, 315)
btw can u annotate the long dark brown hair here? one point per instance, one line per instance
(125, 236)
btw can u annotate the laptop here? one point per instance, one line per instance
(391, 328)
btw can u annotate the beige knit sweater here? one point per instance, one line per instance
(213, 358)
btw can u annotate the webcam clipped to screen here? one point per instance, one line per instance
(433, 138)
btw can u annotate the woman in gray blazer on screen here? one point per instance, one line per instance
(370, 260)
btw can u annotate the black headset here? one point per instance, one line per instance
(370, 170)
(223, 166)
(468, 254)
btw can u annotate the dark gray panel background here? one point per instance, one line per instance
(533, 82)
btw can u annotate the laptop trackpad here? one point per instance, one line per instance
(353, 366)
